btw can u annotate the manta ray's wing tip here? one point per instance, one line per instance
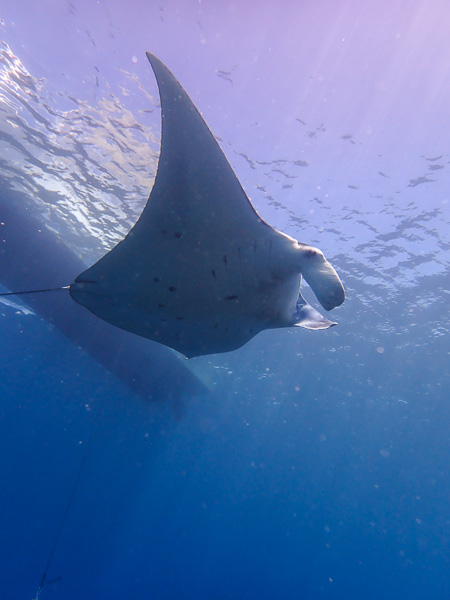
(154, 60)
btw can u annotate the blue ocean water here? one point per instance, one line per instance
(317, 465)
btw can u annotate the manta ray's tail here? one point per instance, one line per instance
(64, 287)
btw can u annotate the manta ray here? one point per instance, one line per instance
(200, 271)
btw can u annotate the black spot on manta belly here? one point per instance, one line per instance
(233, 297)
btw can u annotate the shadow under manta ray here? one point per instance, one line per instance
(200, 271)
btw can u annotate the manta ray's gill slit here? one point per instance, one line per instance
(156, 279)
(213, 273)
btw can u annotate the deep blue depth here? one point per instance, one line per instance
(333, 491)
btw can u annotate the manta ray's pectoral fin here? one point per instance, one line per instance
(308, 317)
(321, 277)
